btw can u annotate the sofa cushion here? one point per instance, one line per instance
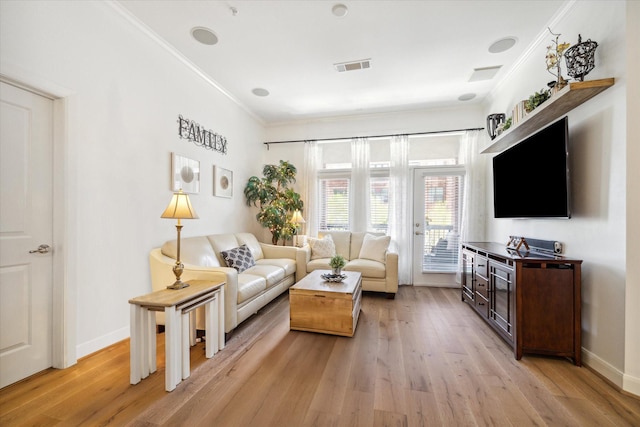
(239, 258)
(253, 244)
(374, 248)
(222, 242)
(193, 250)
(271, 273)
(322, 248)
(342, 241)
(287, 264)
(367, 267)
(250, 286)
(318, 264)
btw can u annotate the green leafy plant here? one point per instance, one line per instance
(536, 99)
(276, 201)
(507, 124)
(337, 261)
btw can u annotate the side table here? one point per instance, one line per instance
(177, 306)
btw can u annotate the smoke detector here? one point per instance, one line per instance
(353, 65)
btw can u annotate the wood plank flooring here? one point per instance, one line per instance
(423, 359)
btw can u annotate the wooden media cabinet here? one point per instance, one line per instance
(532, 300)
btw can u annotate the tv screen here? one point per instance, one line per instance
(531, 179)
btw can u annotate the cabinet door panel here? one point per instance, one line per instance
(502, 310)
(468, 276)
(549, 313)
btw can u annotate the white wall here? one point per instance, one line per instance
(125, 95)
(597, 129)
(631, 380)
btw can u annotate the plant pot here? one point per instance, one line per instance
(336, 271)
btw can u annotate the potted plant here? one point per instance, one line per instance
(337, 262)
(276, 200)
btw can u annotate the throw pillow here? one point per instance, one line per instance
(322, 248)
(239, 258)
(374, 248)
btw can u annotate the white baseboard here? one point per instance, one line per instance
(631, 384)
(99, 343)
(611, 373)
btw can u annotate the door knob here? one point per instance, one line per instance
(42, 249)
(419, 233)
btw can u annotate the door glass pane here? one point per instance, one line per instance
(442, 202)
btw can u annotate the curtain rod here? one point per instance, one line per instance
(370, 136)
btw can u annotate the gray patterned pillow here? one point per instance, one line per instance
(239, 258)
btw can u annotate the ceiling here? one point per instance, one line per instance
(422, 53)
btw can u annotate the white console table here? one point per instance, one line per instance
(178, 306)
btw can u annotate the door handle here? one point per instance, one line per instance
(419, 233)
(42, 249)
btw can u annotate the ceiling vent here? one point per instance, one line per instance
(353, 65)
(486, 73)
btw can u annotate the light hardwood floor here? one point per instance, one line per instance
(422, 359)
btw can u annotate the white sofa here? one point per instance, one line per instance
(276, 269)
(379, 272)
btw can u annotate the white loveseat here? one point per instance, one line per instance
(276, 269)
(378, 266)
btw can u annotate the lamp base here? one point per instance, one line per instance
(179, 284)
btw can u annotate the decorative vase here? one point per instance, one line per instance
(336, 271)
(493, 121)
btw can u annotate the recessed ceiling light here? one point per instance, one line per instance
(467, 97)
(260, 92)
(502, 44)
(339, 10)
(204, 35)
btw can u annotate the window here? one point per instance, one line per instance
(334, 204)
(379, 204)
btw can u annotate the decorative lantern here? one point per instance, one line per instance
(580, 58)
(493, 120)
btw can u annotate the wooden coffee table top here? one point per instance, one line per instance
(314, 284)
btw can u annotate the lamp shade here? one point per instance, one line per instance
(180, 207)
(297, 218)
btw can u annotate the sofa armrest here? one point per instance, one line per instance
(273, 251)
(303, 257)
(162, 275)
(391, 262)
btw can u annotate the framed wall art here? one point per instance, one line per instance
(185, 174)
(222, 182)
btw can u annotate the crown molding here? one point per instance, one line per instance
(144, 28)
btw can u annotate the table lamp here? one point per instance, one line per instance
(297, 220)
(179, 208)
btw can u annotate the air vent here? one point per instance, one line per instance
(353, 65)
(486, 73)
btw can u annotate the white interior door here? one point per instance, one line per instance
(437, 205)
(26, 223)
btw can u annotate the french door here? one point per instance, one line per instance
(437, 204)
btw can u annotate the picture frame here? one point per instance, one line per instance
(222, 182)
(185, 174)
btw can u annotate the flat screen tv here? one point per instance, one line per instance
(531, 179)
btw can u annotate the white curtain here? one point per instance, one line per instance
(473, 203)
(310, 190)
(399, 202)
(360, 189)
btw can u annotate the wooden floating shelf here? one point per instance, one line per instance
(559, 104)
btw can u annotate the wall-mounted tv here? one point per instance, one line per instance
(531, 178)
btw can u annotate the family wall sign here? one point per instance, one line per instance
(196, 133)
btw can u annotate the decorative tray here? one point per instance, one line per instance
(333, 277)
